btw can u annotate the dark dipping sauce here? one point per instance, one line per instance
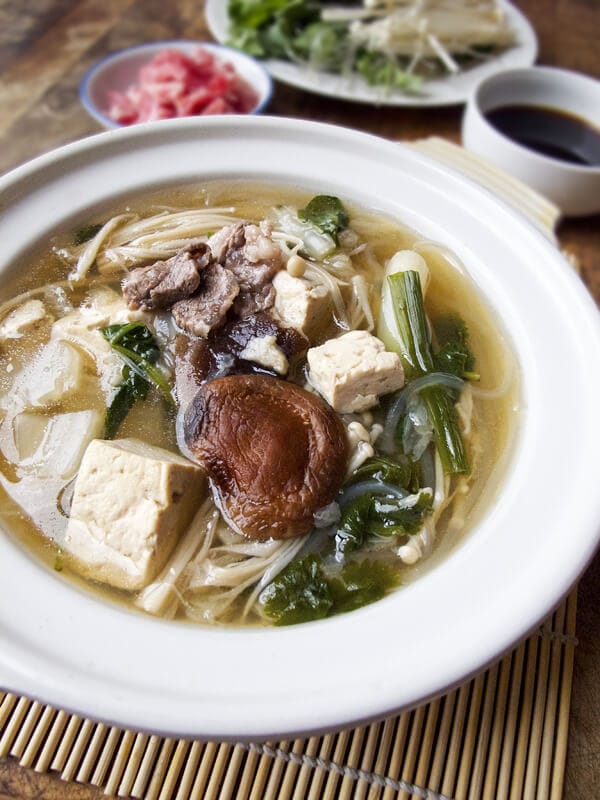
(549, 131)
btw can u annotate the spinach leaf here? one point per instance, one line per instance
(137, 347)
(305, 591)
(362, 582)
(454, 355)
(327, 213)
(299, 593)
(386, 470)
(369, 515)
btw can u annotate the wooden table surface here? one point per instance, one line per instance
(45, 48)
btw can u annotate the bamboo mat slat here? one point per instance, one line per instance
(502, 736)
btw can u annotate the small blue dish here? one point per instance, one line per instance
(118, 71)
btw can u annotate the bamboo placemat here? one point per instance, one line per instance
(501, 736)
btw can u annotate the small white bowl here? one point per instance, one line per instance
(575, 189)
(118, 71)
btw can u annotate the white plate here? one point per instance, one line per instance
(445, 91)
(76, 651)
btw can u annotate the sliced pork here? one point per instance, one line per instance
(165, 282)
(254, 258)
(207, 309)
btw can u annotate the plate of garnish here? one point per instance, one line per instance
(381, 52)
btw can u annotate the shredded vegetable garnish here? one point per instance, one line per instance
(394, 44)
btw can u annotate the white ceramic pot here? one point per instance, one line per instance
(76, 651)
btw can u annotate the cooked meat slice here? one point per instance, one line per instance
(207, 309)
(228, 238)
(165, 282)
(274, 452)
(251, 254)
(248, 303)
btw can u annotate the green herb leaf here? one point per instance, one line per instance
(327, 213)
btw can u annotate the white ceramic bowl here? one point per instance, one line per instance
(75, 651)
(118, 71)
(575, 189)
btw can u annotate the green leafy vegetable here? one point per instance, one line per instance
(137, 347)
(86, 233)
(305, 590)
(268, 28)
(454, 355)
(299, 593)
(296, 30)
(417, 359)
(323, 45)
(369, 515)
(254, 13)
(386, 470)
(362, 582)
(380, 70)
(327, 213)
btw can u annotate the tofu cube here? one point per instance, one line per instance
(303, 306)
(352, 371)
(131, 503)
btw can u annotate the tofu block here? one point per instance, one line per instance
(352, 371)
(131, 503)
(303, 306)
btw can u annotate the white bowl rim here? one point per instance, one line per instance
(214, 47)
(36, 659)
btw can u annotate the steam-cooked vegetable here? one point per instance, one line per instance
(454, 355)
(327, 213)
(373, 515)
(138, 349)
(308, 589)
(413, 347)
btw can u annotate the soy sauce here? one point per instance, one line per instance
(549, 131)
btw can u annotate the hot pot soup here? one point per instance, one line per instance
(242, 404)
